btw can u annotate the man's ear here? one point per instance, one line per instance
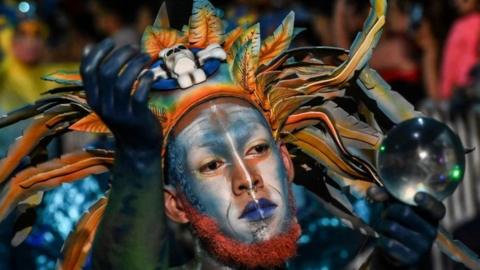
(173, 206)
(287, 162)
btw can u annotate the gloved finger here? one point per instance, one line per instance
(140, 98)
(397, 251)
(127, 79)
(411, 239)
(94, 55)
(432, 208)
(87, 50)
(89, 67)
(378, 194)
(112, 66)
(406, 216)
(109, 72)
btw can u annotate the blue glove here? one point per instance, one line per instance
(407, 233)
(135, 202)
(109, 78)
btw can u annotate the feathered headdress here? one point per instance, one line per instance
(324, 103)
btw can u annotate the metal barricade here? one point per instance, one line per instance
(464, 204)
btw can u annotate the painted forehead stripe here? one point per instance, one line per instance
(231, 113)
(218, 115)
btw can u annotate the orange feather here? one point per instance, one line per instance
(65, 77)
(277, 43)
(252, 35)
(231, 37)
(30, 139)
(79, 242)
(154, 41)
(316, 144)
(90, 123)
(48, 175)
(245, 58)
(205, 26)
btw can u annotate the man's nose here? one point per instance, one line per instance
(245, 179)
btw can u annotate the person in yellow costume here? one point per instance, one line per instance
(22, 66)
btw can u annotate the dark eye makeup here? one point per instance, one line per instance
(259, 149)
(211, 166)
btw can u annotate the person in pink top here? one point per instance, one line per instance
(461, 49)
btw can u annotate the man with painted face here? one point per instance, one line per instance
(202, 121)
(225, 174)
(233, 184)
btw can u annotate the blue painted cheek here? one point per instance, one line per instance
(282, 175)
(204, 194)
(281, 170)
(208, 195)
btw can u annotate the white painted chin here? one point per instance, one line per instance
(253, 231)
(264, 229)
(261, 233)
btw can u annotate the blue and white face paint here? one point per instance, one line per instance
(232, 169)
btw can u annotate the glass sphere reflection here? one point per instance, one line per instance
(421, 154)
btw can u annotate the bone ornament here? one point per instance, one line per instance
(158, 73)
(181, 63)
(213, 51)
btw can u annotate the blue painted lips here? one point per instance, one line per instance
(256, 211)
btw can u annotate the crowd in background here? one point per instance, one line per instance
(428, 50)
(428, 53)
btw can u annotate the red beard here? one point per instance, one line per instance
(266, 254)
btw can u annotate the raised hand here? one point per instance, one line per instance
(132, 232)
(406, 232)
(109, 78)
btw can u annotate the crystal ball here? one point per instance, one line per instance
(421, 154)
